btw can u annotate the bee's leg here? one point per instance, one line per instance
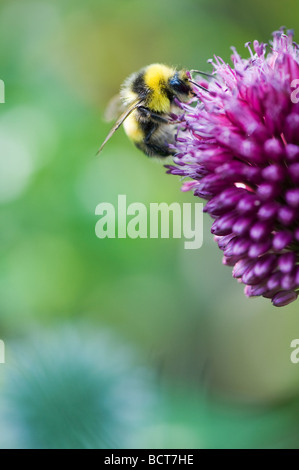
(149, 132)
(150, 115)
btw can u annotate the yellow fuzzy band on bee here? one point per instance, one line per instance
(154, 76)
(132, 128)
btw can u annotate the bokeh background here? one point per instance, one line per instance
(123, 343)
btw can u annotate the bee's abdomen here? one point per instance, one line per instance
(133, 129)
(157, 139)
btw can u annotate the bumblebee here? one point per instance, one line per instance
(147, 100)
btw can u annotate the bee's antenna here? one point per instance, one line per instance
(202, 73)
(199, 86)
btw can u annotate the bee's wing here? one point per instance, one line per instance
(114, 108)
(120, 120)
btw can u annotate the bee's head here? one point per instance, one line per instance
(161, 84)
(180, 85)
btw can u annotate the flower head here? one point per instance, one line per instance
(240, 147)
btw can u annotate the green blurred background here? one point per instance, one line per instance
(213, 367)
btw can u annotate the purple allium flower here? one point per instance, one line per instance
(240, 147)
